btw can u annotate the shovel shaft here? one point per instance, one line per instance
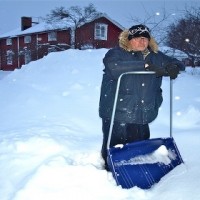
(171, 106)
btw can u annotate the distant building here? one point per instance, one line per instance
(35, 40)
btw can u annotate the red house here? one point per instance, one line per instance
(102, 32)
(34, 41)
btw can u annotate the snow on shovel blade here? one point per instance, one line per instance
(143, 163)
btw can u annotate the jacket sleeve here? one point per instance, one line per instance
(115, 65)
(164, 65)
(172, 62)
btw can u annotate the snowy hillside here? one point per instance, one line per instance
(50, 133)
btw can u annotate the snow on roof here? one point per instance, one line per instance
(43, 26)
(113, 21)
(40, 27)
(107, 17)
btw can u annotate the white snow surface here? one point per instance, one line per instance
(50, 133)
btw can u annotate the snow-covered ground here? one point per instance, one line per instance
(50, 133)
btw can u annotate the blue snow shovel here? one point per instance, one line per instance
(142, 163)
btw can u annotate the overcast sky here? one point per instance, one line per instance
(121, 11)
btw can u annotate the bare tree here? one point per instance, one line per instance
(185, 34)
(157, 22)
(73, 17)
(57, 14)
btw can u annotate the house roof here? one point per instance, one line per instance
(107, 17)
(43, 27)
(37, 28)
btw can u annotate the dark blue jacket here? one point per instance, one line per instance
(140, 96)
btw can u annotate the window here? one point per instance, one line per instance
(101, 31)
(9, 56)
(52, 36)
(27, 39)
(27, 56)
(9, 41)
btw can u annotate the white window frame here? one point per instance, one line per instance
(52, 36)
(27, 39)
(9, 56)
(101, 31)
(9, 41)
(27, 56)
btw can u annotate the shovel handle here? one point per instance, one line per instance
(171, 106)
(116, 97)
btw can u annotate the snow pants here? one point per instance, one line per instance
(122, 133)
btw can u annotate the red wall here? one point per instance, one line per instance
(85, 35)
(38, 47)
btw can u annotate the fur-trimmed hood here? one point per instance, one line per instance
(124, 42)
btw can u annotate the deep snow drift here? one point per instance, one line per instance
(50, 133)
